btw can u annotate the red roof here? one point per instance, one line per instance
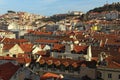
(49, 75)
(8, 46)
(13, 41)
(65, 62)
(42, 33)
(7, 70)
(41, 53)
(42, 46)
(6, 40)
(26, 47)
(78, 48)
(58, 47)
(22, 40)
(1, 57)
(23, 60)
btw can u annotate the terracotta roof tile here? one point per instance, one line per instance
(57, 63)
(49, 75)
(75, 64)
(42, 33)
(7, 70)
(22, 40)
(49, 62)
(13, 41)
(58, 47)
(42, 46)
(8, 46)
(113, 64)
(65, 62)
(78, 48)
(23, 60)
(42, 61)
(41, 53)
(26, 47)
(1, 57)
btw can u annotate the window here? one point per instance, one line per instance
(99, 74)
(119, 76)
(109, 75)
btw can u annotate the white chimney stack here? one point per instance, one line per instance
(89, 53)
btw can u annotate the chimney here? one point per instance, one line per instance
(101, 43)
(68, 48)
(89, 53)
(106, 41)
(100, 58)
(38, 58)
(1, 49)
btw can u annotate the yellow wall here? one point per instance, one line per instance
(15, 50)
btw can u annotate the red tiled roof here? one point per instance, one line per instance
(1, 57)
(8, 46)
(78, 48)
(6, 40)
(41, 53)
(95, 58)
(49, 62)
(13, 41)
(42, 61)
(112, 38)
(23, 60)
(49, 75)
(23, 55)
(26, 47)
(42, 33)
(113, 64)
(8, 58)
(58, 47)
(42, 46)
(57, 63)
(75, 64)
(7, 70)
(22, 40)
(65, 62)
(83, 65)
(65, 38)
(69, 33)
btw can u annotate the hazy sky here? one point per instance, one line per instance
(50, 7)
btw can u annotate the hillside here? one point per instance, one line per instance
(107, 7)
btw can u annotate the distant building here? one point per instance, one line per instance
(66, 67)
(7, 34)
(75, 13)
(108, 68)
(112, 15)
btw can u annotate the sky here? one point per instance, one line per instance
(50, 7)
